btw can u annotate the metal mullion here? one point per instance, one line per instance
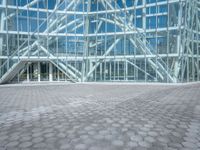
(167, 39)
(57, 58)
(186, 28)
(156, 34)
(48, 29)
(118, 70)
(193, 67)
(17, 18)
(38, 24)
(134, 39)
(105, 46)
(28, 30)
(18, 77)
(114, 63)
(124, 53)
(82, 67)
(75, 17)
(193, 62)
(197, 46)
(97, 16)
(109, 72)
(6, 22)
(66, 39)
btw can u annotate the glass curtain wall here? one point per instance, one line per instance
(100, 40)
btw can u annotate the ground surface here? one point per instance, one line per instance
(100, 117)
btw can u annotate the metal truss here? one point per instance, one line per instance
(87, 22)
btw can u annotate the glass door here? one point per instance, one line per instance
(44, 71)
(33, 71)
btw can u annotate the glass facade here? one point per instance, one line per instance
(100, 40)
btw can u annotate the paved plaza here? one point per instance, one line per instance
(100, 117)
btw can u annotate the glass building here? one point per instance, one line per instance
(100, 40)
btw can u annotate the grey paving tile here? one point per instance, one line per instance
(100, 117)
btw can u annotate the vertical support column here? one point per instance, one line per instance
(50, 72)
(101, 74)
(90, 68)
(144, 28)
(28, 77)
(126, 70)
(178, 61)
(134, 20)
(136, 74)
(118, 78)
(110, 71)
(39, 79)
(83, 71)
(18, 76)
(58, 75)
(86, 44)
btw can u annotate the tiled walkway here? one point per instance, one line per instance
(100, 117)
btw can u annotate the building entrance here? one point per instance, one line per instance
(32, 72)
(44, 71)
(39, 72)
